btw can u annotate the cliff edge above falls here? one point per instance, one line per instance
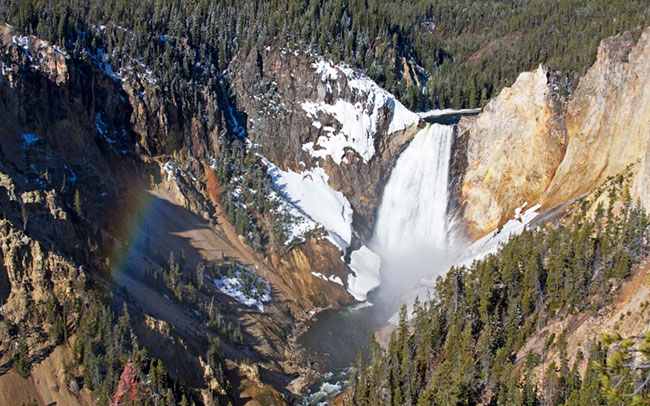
(534, 144)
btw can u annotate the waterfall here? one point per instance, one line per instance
(413, 212)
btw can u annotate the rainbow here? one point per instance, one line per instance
(132, 232)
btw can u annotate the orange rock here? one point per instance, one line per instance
(128, 387)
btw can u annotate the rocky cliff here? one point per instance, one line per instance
(607, 119)
(538, 142)
(41, 283)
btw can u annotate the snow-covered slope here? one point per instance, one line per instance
(314, 203)
(359, 121)
(490, 243)
(245, 286)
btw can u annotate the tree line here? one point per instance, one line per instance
(469, 50)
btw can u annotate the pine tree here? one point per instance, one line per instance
(59, 329)
(200, 274)
(169, 398)
(78, 209)
(20, 359)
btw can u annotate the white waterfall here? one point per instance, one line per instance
(413, 212)
(411, 229)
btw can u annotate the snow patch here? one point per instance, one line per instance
(401, 117)
(22, 41)
(359, 122)
(332, 278)
(490, 243)
(73, 176)
(29, 140)
(171, 169)
(365, 265)
(326, 70)
(357, 131)
(300, 224)
(100, 125)
(102, 62)
(237, 129)
(316, 201)
(245, 287)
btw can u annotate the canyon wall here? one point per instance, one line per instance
(538, 142)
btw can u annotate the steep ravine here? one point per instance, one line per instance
(82, 144)
(80, 156)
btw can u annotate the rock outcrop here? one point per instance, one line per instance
(128, 386)
(532, 144)
(607, 120)
(513, 149)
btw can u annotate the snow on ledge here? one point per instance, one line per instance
(332, 278)
(359, 122)
(170, 167)
(365, 265)
(326, 70)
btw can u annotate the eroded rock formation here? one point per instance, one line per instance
(532, 144)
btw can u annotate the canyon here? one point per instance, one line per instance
(95, 165)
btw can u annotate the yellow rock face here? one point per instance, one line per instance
(530, 146)
(513, 148)
(608, 120)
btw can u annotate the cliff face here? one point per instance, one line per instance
(607, 119)
(38, 279)
(513, 148)
(531, 144)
